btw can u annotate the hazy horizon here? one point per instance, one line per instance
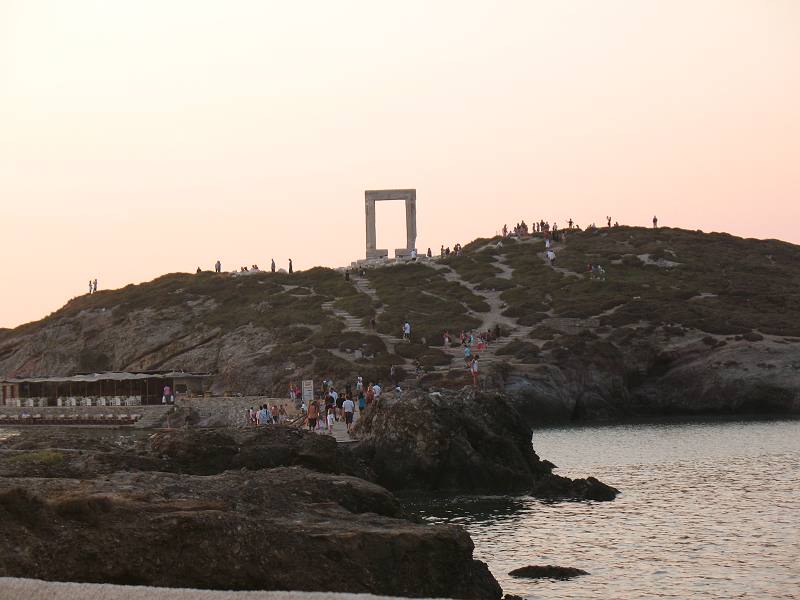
(142, 138)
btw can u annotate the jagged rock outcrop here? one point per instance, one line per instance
(460, 442)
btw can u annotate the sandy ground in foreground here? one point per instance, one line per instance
(12, 588)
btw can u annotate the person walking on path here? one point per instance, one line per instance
(407, 331)
(349, 408)
(313, 415)
(473, 369)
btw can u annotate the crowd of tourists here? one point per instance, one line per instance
(267, 415)
(332, 406)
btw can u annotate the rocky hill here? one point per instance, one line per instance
(680, 322)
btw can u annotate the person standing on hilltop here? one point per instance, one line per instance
(655, 222)
(90, 286)
(291, 269)
(94, 286)
(272, 266)
(217, 266)
(608, 219)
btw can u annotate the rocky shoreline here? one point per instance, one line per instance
(272, 508)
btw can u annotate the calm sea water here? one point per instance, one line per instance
(708, 510)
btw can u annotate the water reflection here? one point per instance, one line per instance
(478, 511)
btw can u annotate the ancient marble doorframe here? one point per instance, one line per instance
(410, 198)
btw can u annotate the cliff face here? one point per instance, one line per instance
(676, 322)
(653, 373)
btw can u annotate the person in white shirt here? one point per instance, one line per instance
(349, 408)
(376, 390)
(407, 331)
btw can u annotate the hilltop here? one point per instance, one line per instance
(682, 322)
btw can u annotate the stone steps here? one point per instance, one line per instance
(355, 324)
(152, 416)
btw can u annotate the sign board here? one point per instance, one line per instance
(308, 390)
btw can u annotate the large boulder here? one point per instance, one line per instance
(275, 529)
(462, 442)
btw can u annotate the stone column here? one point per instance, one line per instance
(411, 222)
(369, 207)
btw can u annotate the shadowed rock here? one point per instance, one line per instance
(547, 572)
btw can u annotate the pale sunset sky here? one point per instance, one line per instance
(144, 137)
